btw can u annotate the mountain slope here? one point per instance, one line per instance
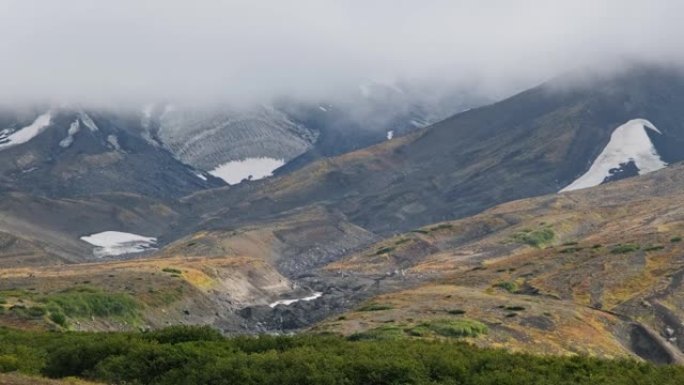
(536, 142)
(596, 271)
(68, 153)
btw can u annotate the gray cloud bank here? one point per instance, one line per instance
(89, 51)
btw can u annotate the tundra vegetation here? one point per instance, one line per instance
(201, 355)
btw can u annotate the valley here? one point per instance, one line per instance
(547, 223)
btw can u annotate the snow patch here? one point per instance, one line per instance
(88, 122)
(236, 171)
(629, 142)
(74, 128)
(322, 108)
(288, 302)
(390, 134)
(199, 175)
(114, 142)
(111, 243)
(25, 134)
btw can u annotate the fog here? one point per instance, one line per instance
(137, 51)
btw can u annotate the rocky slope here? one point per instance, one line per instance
(594, 271)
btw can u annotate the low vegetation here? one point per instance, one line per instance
(172, 270)
(185, 355)
(456, 328)
(375, 307)
(625, 248)
(510, 287)
(80, 302)
(537, 238)
(384, 250)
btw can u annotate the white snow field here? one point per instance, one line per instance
(287, 302)
(628, 142)
(25, 134)
(251, 168)
(111, 243)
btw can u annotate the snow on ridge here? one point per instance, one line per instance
(74, 128)
(27, 133)
(88, 122)
(236, 171)
(629, 142)
(288, 302)
(112, 243)
(390, 134)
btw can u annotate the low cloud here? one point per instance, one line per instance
(136, 51)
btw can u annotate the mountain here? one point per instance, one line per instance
(404, 233)
(537, 142)
(65, 152)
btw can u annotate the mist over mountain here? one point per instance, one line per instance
(130, 52)
(374, 175)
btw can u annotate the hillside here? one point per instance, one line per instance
(534, 143)
(596, 271)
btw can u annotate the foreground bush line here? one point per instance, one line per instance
(196, 355)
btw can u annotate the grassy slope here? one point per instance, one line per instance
(586, 267)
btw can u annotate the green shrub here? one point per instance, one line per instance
(456, 328)
(375, 307)
(181, 333)
(171, 270)
(570, 250)
(456, 311)
(36, 311)
(8, 363)
(515, 308)
(625, 248)
(58, 317)
(510, 287)
(83, 302)
(654, 248)
(385, 332)
(382, 357)
(675, 239)
(536, 238)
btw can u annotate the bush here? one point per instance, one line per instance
(570, 250)
(675, 239)
(510, 287)
(180, 333)
(536, 238)
(82, 302)
(135, 358)
(59, 318)
(626, 248)
(8, 363)
(456, 328)
(375, 307)
(456, 311)
(515, 308)
(385, 332)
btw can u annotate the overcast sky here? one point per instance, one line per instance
(138, 50)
